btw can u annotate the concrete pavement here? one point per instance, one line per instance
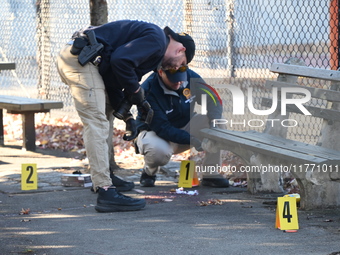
(62, 220)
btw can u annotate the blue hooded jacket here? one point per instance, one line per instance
(173, 110)
(131, 50)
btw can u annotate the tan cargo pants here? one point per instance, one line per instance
(88, 91)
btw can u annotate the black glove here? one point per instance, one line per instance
(130, 130)
(196, 143)
(138, 97)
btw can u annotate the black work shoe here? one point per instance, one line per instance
(111, 200)
(120, 184)
(147, 180)
(215, 182)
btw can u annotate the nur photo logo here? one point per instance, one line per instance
(280, 100)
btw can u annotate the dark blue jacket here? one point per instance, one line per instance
(172, 110)
(131, 50)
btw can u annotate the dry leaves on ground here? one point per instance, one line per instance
(210, 202)
(67, 135)
(56, 133)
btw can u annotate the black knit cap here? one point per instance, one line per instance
(186, 40)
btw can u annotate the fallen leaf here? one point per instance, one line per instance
(25, 211)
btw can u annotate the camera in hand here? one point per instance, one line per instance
(123, 110)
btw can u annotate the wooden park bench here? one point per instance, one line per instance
(315, 166)
(27, 107)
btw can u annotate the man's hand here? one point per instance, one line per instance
(196, 143)
(130, 130)
(138, 97)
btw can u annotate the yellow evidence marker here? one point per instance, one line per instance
(186, 173)
(29, 176)
(286, 214)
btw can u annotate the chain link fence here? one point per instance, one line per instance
(237, 41)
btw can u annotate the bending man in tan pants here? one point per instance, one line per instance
(124, 52)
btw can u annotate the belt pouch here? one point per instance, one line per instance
(78, 45)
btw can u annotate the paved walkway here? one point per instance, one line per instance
(61, 220)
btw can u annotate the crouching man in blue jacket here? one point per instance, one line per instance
(172, 94)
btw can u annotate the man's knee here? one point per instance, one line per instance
(156, 151)
(157, 158)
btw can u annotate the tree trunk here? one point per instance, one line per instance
(98, 12)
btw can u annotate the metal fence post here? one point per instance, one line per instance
(230, 45)
(334, 34)
(44, 47)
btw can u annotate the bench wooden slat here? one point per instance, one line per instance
(329, 95)
(304, 71)
(294, 145)
(14, 103)
(274, 146)
(318, 112)
(259, 147)
(7, 66)
(286, 143)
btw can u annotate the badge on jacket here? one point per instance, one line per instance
(187, 94)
